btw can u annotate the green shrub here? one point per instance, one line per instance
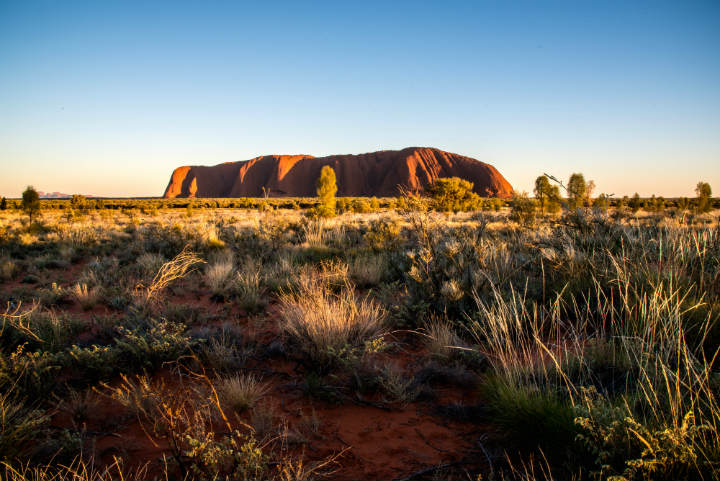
(453, 195)
(522, 209)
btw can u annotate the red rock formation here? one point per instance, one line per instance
(374, 174)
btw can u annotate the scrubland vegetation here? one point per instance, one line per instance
(524, 341)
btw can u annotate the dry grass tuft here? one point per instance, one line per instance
(87, 297)
(324, 323)
(217, 273)
(241, 391)
(441, 339)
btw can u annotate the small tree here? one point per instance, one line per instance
(602, 203)
(554, 201)
(374, 203)
(589, 189)
(31, 202)
(453, 194)
(683, 203)
(622, 203)
(660, 204)
(78, 202)
(576, 190)
(522, 209)
(704, 196)
(542, 191)
(326, 189)
(3, 204)
(635, 203)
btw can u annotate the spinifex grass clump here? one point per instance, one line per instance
(218, 272)
(325, 324)
(241, 391)
(617, 383)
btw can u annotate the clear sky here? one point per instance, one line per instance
(106, 98)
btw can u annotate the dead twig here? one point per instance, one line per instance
(177, 268)
(18, 319)
(429, 443)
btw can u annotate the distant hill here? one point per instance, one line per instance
(57, 195)
(380, 174)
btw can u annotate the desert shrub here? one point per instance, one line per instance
(602, 204)
(410, 202)
(397, 386)
(153, 343)
(324, 324)
(92, 363)
(361, 206)
(453, 195)
(237, 456)
(150, 344)
(343, 204)
(522, 209)
(446, 265)
(383, 234)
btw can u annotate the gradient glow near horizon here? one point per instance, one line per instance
(107, 98)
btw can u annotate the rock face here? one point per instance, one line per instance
(379, 174)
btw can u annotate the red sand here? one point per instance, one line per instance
(383, 444)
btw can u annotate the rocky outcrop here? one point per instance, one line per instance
(380, 174)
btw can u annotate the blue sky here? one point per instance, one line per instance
(106, 98)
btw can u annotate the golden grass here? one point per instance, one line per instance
(323, 322)
(241, 391)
